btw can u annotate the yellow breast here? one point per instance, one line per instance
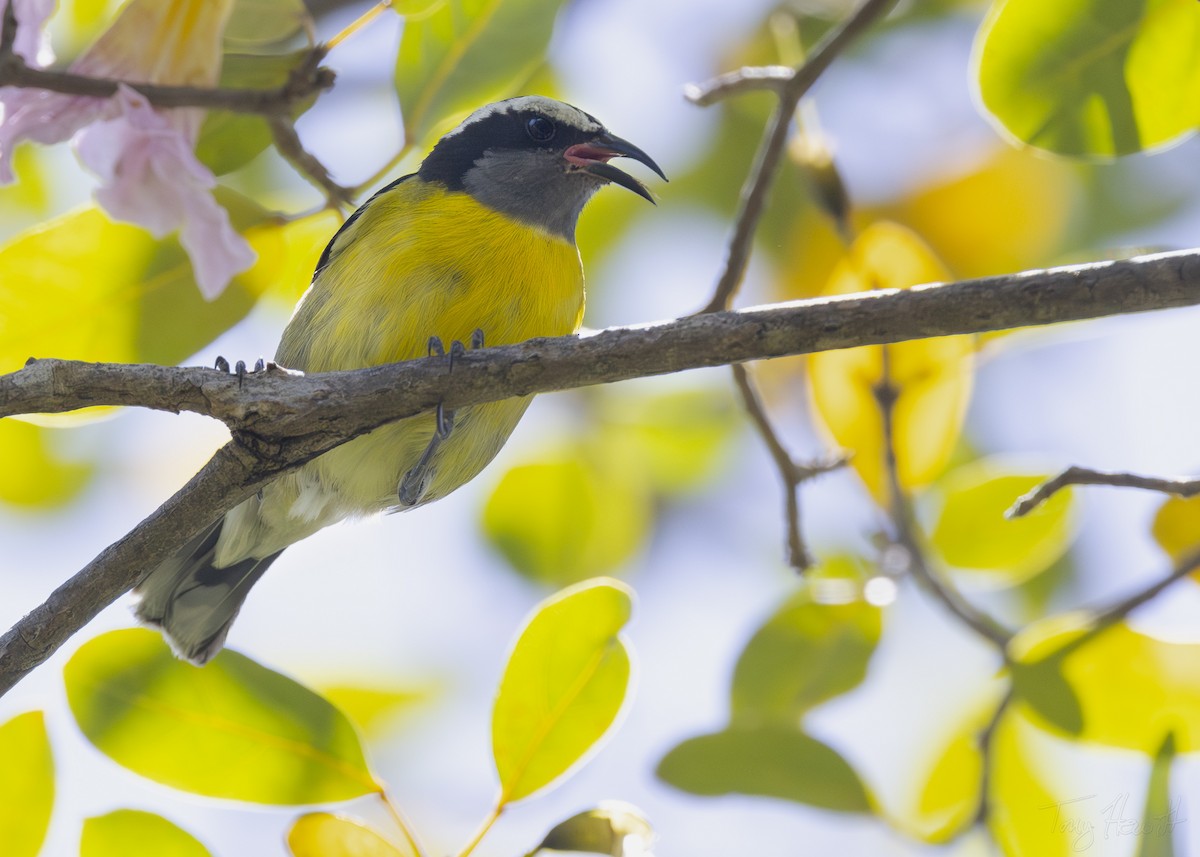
(418, 262)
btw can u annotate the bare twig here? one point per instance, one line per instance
(772, 78)
(8, 31)
(310, 78)
(280, 420)
(770, 151)
(987, 756)
(907, 536)
(793, 473)
(287, 141)
(1178, 486)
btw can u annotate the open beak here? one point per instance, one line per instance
(594, 156)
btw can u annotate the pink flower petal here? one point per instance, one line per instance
(151, 177)
(32, 43)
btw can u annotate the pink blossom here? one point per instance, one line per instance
(144, 157)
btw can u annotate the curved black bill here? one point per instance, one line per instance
(593, 157)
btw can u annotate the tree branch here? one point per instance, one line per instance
(281, 419)
(1178, 486)
(790, 90)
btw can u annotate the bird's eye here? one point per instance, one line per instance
(540, 129)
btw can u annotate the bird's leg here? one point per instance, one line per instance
(416, 481)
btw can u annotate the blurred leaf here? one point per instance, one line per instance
(132, 833)
(26, 784)
(229, 140)
(1132, 689)
(234, 729)
(302, 242)
(33, 475)
(568, 517)
(255, 24)
(808, 652)
(1009, 213)
(947, 803)
(466, 53)
(1156, 836)
(1176, 526)
(371, 708)
(1043, 687)
(678, 440)
(932, 376)
(1023, 814)
(30, 193)
(613, 828)
(972, 533)
(564, 684)
(322, 834)
(83, 287)
(1091, 77)
(768, 761)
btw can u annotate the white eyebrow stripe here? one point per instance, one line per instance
(557, 110)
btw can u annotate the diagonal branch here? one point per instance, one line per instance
(280, 419)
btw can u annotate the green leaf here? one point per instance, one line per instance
(233, 729)
(809, 651)
(564, 684)
(1156, 833)
(973, 534)
(258, 24)
(323, 834)
(1041, 685)
(613, 828)
(26, 784)
(34, 475)
(132, 833)
(230, 140)
(567, 518)
(86, 288)
(1091, 77)
(768, 761)
(466, 53)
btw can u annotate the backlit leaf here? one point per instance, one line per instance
(931, 376)
(768, 761)
(323, 834)
(465, 53)
(1176, 526)
(26, 784)
(132, 833)
(564, 684)
(569, 516)
(86, 288)
(258, 23)
(972, 533)
(613, 828)
(815, 647)
(1024, 815)
(233, 729)
(33, 474)
(1132, 689)
(371, 708)
(1091, 77)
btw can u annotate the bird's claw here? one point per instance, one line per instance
(239, 369)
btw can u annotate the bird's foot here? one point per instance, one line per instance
(239, 369)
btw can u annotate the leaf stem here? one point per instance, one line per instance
(488, 822)
(406, 829)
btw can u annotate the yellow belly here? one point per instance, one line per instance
(416, 263)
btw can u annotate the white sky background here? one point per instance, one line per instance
(418, 598)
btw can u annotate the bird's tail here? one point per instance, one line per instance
(193, 601)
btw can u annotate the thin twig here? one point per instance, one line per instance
(8, 35)
(987, 756)
(770, 150)
(793, 473)
(287, 141)
(772, 78)
(14, 71)
(904, 522)
(1177, 486)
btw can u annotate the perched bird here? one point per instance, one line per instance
(478, 243)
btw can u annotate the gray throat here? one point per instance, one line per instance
(533, 187)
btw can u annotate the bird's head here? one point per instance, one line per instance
(534, 159)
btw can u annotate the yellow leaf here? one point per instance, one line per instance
(563, 686)
(133, 833)
(26, 784)
(371, 708)
(1176, 526)
(323, 834)
(1133, 689)
(973, 534)
(932, 377)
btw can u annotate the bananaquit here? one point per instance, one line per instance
(480, 239)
